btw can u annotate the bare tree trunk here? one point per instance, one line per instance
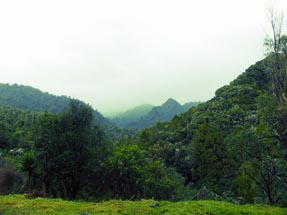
(276, 44)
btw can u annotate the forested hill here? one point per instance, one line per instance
(226, 145)
(29, 98)
(226, 148)
(162, 113)
(131, 115)
(32, 99)
(234, 105)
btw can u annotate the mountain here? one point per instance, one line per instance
(235, 104)
(131, 115)
(29, 98)
(227, 148)
(20, 106)
(162, 113)
(227, 144)
(32, 99)
(189, 105)
(239, 104)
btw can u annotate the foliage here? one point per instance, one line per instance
(217, 144)
(15, 128)
(133, 175)
(28, 166)
(72, 134)
(212, 158)
(230, 147)
(28, 98)
(31, 99)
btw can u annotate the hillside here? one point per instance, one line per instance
(31, 99)
(20, 106)
(224, 144)
(188, 105)
(226, 148)
(162, 113)
(15, 127)
(18, 204)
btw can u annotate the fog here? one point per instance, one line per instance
(119, 54)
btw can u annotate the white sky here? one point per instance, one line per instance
(116, 54)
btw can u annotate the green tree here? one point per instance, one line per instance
(66, 149)
(132, 174)
(161, 182)
(212, 158)
(47, 140)
(125, 171)
(75, 146)
(28, 166)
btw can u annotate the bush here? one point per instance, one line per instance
(132, 175)
(162, 183)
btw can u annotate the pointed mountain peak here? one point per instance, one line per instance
(171, 101)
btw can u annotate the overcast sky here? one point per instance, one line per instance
(116, 54)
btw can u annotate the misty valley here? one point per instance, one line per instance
(63, 155)
(231, 148)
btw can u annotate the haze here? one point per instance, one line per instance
(118, 54)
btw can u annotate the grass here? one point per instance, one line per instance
(20, 205)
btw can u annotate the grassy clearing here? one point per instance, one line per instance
(20, 205)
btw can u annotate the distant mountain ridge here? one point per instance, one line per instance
(131, 115)
(143, 116)
(32, 99)
(151, 115)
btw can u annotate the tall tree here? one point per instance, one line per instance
(75, 146)
(46, 134)
(276, 44)
(66, 150)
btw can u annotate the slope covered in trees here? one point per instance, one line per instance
(29, 98)
(15, 127)
(226, 148)
(227, 145)
(65, 155)
(162, 113)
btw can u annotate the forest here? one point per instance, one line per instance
(232, 147)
